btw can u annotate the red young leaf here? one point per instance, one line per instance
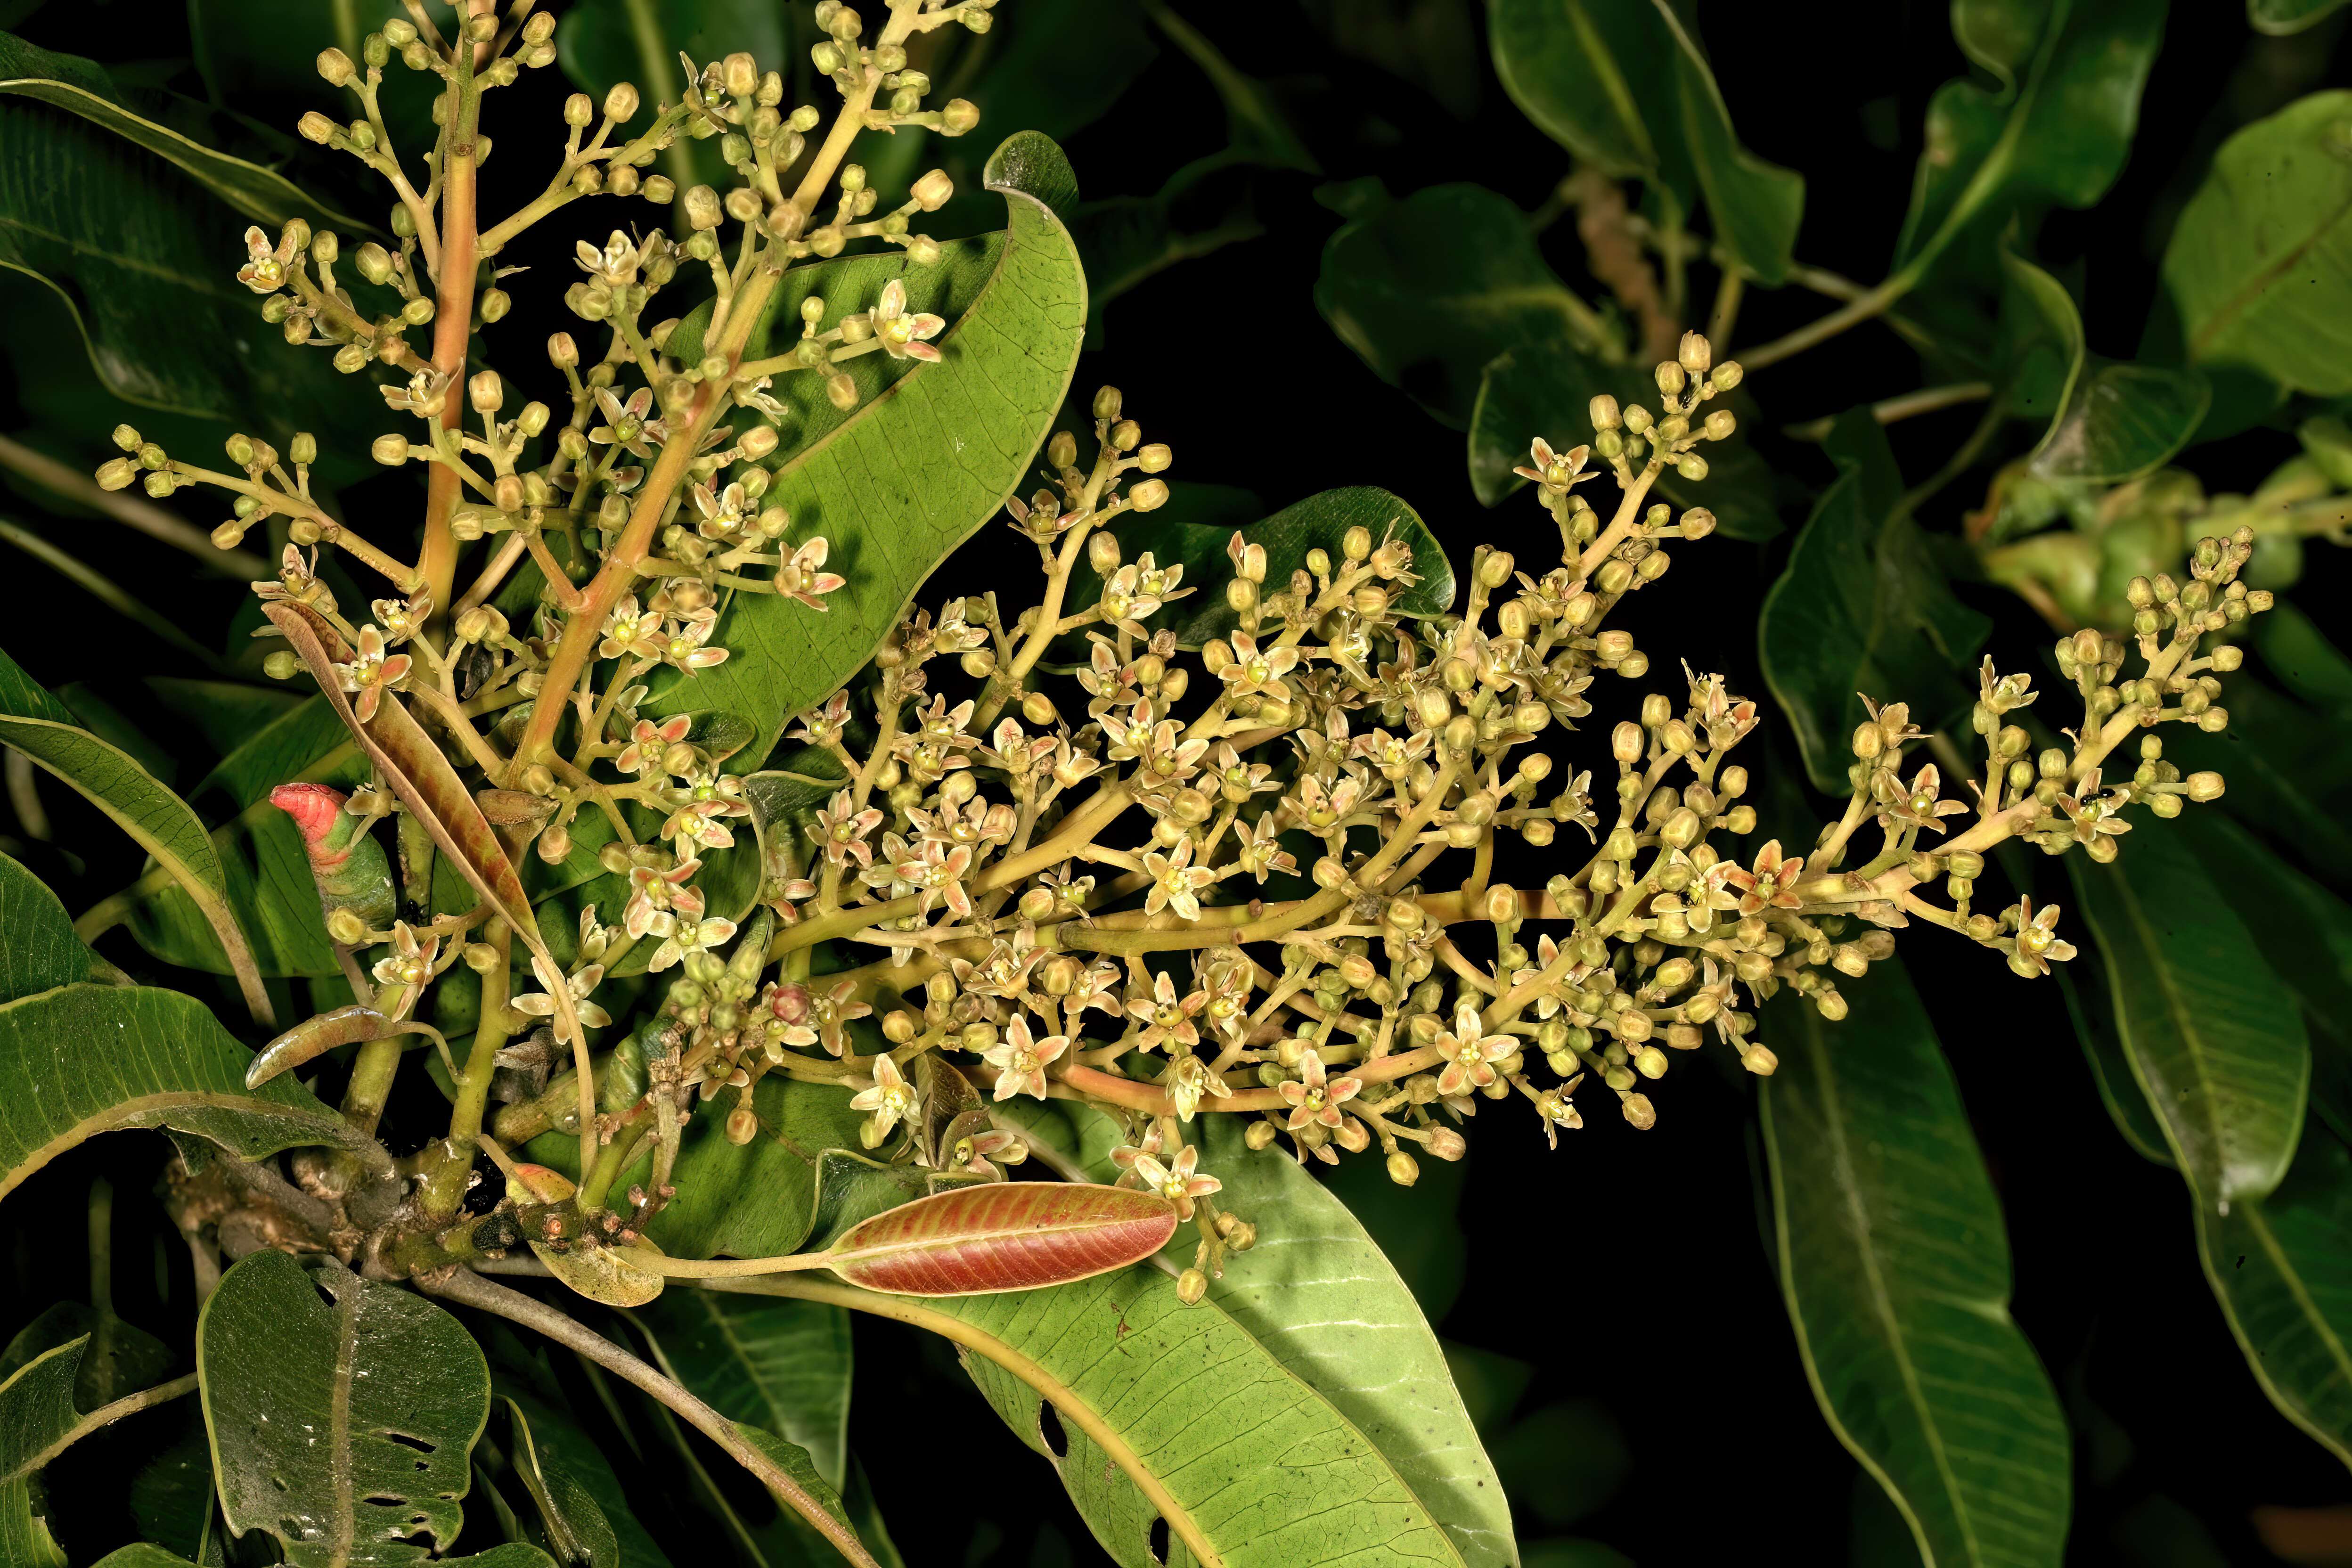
(1003, 1235)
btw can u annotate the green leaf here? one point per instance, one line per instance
(109, 1057)
(1626, 85)
(562, 1441)
(341, 1411)
(37, 1413)
(2109, 423)
(1430, 288)
(1318, 523)
(756, 1200)
(2283, 17)
(25, 1537)
(1545, 391)
(1860, 608)
(38, 725)
(2214, 1038)
(1894, 1263)
(41, 951)
(143, 1555)
(268, 877)
(2058, 134)
(2260, 264)
(781, 1364)
(2091, 1011)
(143, 258)
(2281, 1266)
(930, 454)
(1316, 1293)
(80, 86)
(568, 1507)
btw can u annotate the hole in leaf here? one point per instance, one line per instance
(405, 1441)
(1155, 1541)
(1049, 1427)
(383, 1499)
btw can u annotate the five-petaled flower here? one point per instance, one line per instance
(1315, 1096)
(2091, 815)
(889, 1096)
(1178, 1185)
(1921, 805)
(1470, 1053)
(371, 673)
(1770, 885)
(2037, 945)
(683, 649)
(265, 271)
(628, 426)
(901, 332)
(1555, 471)
(688, 936)
(410, 963)
(842, 830)
(1258, 669)
(1167, 1016)
(1021, 1060)
(1176, 883)
(542, 1003)
(802, 576)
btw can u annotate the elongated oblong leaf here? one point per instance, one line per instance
(36, 724)
(930, 454)
(39, 951)
(2215, 1040)
(341, 1411)
(777, 1363)
(1894, 1263)
(100, 1059)
(567, 1506)
(1624, 84)
(2260, 265)
(1003, 1235)
(1861, 609)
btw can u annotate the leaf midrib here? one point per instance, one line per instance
(2181, 1017)
(2239, 303)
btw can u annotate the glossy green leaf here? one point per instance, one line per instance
(563, 1443)
(2281, 1266)
(108, 1058)
(41, 951)
(268, 879)
(1894, 1263)
(24, 1535)
(80, 86)
(36, 724)
(2260, 264)
(1546, 392)
(1624, 84)
(1318, 1293)
(756, 1200)
(2059, 134)
(143, 1555)
(1318, 523)
(144, 258)
(2108, 423)
(37, 1413)
(1861, 609)
(928, 455)
(2092, 1009)
(341, 1411)
(1430, 288)
(2215, 1040)
(2282, 17)
(780, 1364)
(567, 1501)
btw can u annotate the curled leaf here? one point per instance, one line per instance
(1012, 1236)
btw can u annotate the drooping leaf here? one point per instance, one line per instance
(1546, 392)
(564, 1444)
(928, 455)
(2259, 263)
(1318, 523)
(2215, 1040)
(2058, 134)
(36, 724)
(1625, 86)
(109, 1057)
(1429, 288)
(1860, 608)
(567, 1502)
(419, 772)
(2091, 1010)
(1895, 1264)
(80, 86)
(341, 1411)
(777, 1363)
(2108, 422)
(2281, 1266)
(1003, 1235)
(40, 950)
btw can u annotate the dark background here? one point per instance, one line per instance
(1620, 1326)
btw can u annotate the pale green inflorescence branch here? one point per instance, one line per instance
(1267, 879)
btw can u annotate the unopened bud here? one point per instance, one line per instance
(1403, 1169)
(1192, 1285)
(1444, 1144)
